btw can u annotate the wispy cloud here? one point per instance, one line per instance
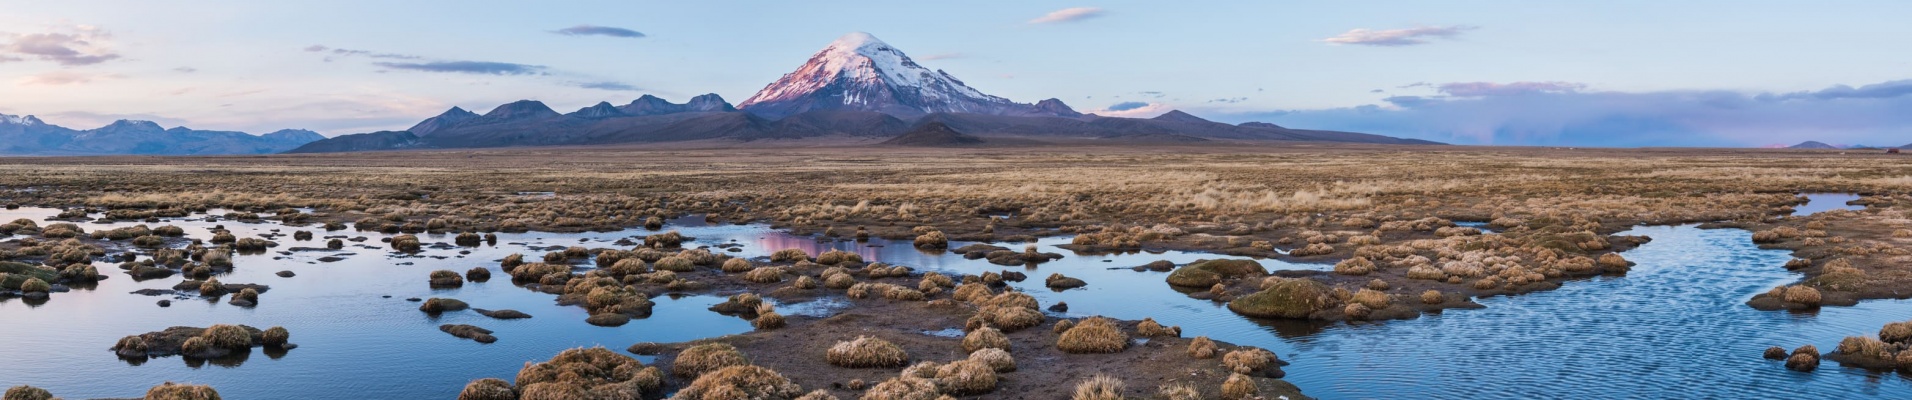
(1398, 37)
(1127, 105)
(943, 56)
(351, 52)
(594, 30)
(607, 85)
(1477, 89)
(1555, 113)
(1131, 109)
(1071, 14)
(78, 45)
(467, 67)
(62, 78)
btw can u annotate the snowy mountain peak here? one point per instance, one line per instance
(860, 72)
(27, 120)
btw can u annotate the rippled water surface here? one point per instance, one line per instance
(1673, 327)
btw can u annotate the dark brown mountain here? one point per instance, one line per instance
(934, 134)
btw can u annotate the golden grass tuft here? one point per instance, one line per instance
(789, 255)
(866, 352)
(768, 320)
(740, 382)
(1354, 266)
(903, 388)
(1093, 335)
(966, 377)
(275, 336)
(1178, 392)
(24, 392)
(175, 391)
(1239, 387)
(1010, 318)
(1098, 387)
(985, 338)
(1896, 332)
(1356, 311)
(594, 372)
(1801, 294)
(1374, 299)
(34, 285)
(675, 264)
(445, 278)
(764, 274)
(932, 240)
(488, 389)
(1248, 360)
(707, 357)
(1201, 347)
(996, 358)
(834, 257)
(1432, 296)
(818, 394)
(1149, 328)
(737, 265)
(229, 337)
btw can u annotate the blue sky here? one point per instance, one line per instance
(1725, 73)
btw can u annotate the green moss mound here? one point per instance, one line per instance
(1290, 299)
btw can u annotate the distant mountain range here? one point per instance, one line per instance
(1817, 145)
(28, 135)
(856, 89)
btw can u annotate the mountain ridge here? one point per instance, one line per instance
(29, 135)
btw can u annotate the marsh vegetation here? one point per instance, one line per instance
(1271, 238)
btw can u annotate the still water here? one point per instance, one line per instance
(1674, 327)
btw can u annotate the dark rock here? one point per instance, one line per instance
(608, 319)
(647, 349)
(286, 274)
(480, 335)
(502, 314)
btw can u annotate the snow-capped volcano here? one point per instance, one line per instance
(859, 72)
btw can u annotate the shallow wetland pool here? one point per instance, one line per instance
(1675, 326)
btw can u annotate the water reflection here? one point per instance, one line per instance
(1822, 202)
